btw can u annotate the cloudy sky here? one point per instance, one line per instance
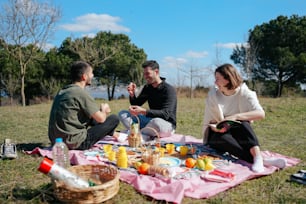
(187, 37)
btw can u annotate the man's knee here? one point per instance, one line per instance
(161, 125)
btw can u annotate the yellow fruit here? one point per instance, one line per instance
(207, 160)
(200, 164)
(137, 164)
(209, 166)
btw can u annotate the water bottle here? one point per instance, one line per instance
(60, 153)
(57, 172)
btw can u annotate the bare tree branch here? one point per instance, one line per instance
(25, 27)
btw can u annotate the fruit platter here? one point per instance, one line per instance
(153, 160)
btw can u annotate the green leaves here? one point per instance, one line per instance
(276, 52)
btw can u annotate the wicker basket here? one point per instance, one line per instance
(134, 141)
(105, 176)
(149, 155)
(157, 141)
(134, 138)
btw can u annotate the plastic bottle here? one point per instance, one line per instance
(60, 153)
(57, 172)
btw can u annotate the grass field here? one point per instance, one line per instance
(283, 131)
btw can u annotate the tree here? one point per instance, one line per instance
(112, 56)
(276, 52)
(56, 70)
(124, 67)
(24, 23)
(8, 75)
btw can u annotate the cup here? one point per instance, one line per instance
(161, 151)
(107, 148)
(170, 148)
(157, 143)
(111, 155)
(183, 150)
(193, 150)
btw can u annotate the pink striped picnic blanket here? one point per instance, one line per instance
(174, 189)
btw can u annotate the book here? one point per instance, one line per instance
(227, 124)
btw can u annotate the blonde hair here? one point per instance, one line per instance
(230, 73)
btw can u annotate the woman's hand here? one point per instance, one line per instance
(215, 129)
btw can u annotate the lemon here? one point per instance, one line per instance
(209, 166)
(200, 164)
(137, 164)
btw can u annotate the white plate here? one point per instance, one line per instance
(169, 162)
(93, 153)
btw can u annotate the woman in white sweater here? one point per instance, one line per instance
(231, 99)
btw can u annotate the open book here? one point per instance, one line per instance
(227, 124)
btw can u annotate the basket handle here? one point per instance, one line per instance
(138, 121)
(155, 131)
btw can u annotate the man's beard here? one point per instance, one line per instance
(88, 83)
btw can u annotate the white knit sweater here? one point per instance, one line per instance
(219, 106)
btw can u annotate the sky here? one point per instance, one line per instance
(188, 38)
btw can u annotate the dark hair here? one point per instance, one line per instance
(150, 63)
(230, 73)
(77, 69)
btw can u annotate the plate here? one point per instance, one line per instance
(93, 153)
(169, 162)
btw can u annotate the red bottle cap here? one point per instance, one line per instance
(45, 165)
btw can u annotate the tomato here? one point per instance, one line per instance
(190, 162)
(143, 168)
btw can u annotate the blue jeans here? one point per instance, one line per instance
(160, 125)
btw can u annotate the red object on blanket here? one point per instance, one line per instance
(222, 173)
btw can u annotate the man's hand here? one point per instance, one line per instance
(136, 110)
(131, 89)
(104, 107)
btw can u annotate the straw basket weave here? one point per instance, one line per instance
(134, 139)
(106, 178)
(149, 156)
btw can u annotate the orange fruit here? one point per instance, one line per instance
(190, 162)
(143, 168)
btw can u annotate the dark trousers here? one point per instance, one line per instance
(237, 141)
(99, 130)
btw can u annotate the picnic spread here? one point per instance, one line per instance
(200, 172)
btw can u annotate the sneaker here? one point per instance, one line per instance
(302, 171)
(299, 177)
(8, 150)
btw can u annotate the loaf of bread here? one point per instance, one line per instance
(153, 170)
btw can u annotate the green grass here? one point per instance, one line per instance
(283, 131)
